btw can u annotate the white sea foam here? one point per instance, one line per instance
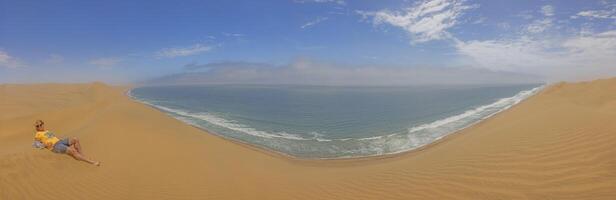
(413, 138)
(421, 135)
(229, 124)
(233, 125)
(500, 105)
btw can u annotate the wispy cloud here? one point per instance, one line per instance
(183, 51)
(313, 22)
(424, 21)
(9, 61)
(538, 50)
(547, 10)
(580, 56)
(541, 47)
(539, 25)
(233, 34)
(597, 14)
(105, 62)
(339, 2)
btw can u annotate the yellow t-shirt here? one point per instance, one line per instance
(47, 138)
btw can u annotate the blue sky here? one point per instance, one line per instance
(120, 42)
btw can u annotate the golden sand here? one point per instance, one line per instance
(558, 144)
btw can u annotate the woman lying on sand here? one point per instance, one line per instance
(70, 146)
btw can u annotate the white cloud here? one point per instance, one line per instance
(547, 10)
(539, 49)
(9, 61)
(183, 51)
(543, 24)
(424, 21)
(105, 62)
(543, 47)
(502, 55)
(597, 14)
(576, 57)
(339, 2)
(55, 59)
(233, 34)
(539, 25)
(313, 22)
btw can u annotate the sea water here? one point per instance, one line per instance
(321, 122)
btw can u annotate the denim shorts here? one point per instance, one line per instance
(61, 146)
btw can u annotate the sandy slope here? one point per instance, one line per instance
(559, 144)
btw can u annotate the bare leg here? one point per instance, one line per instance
(78, 156)
(75, 143)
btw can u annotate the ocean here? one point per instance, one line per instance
(324, 122)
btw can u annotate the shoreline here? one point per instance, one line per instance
(368, 158)
(557, 144)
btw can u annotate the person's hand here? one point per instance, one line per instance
(37, 144)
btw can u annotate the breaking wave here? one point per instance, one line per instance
(319, 147)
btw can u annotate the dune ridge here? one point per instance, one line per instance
(558, 144)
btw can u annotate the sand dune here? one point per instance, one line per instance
(559, 144)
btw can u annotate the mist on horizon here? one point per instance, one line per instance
(307, 72)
